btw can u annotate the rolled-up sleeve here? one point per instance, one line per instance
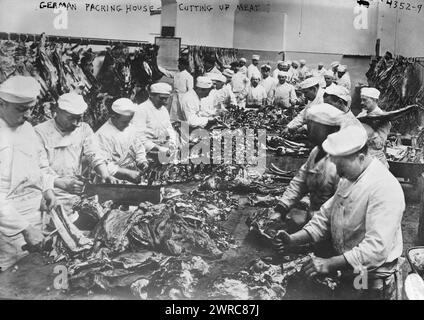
(298, 121)
(296, 189)
(319, 226)
(383, 219)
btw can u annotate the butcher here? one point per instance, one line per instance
(317, 177)
(71, 146)
(24, 180)
(253, 69)
(267, 81)
(282, 94)
(256, 96)
(183, 82)
(377, 131)
(343, 77)
(153, 121)
(121, 144)
(313, 93)
(339, 97)
(362, 220)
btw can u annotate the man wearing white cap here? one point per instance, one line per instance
(183, 82)
(303, 70)
(329, 79)
(67, 142)
(294, 72)
(191, 104)
(255, 94)
(362, 219)
(339, 97)
(122, 147)
(318, 175)
(24, 180)
(221, 96)
(267, 81)
(153, 120)
(377, 131)
(343, 77)
(239, 84)
(311, 90)
(334, 65)
(242, 66)
(283, 94)
(320, 71)
(253, 69)
(280, 66)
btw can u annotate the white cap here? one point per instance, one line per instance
(329, 73)
(370, 92)
(302, 61)
(73, 103)
(228, 73)
(123, 106)
(320, 64)
(339, 91)
(295, 62)
(341, 68)
(280, 62)
(288, 62)
(283, 73)
(345, 142)
(204, 82)
(243, 60)
(216, 76)
(160, 88)
(334, 64)
(324, 113)
(266, 66)
(20, 89)
(255, 57)
(310, 82)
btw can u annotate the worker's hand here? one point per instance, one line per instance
(33, 237)
(70, 184)
(143, 166)
(50, 199)
(317, 266)
(282, 210)
(164, 150)
(108, 179)
(281, 240)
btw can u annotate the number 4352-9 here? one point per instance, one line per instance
(403, 5)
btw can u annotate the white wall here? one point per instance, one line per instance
(26, 17)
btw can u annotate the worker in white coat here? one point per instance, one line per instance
(343, 77)
(253, 69)
(377, 131)
(282, 94)
(121, 144)
(303, 70)
(256, 96)
(267, 81)
(313, 93)
(280, 67)
(339, 97)
(239, 84)
(68, 143)
(362, 219)
(183, 82)
(24, 180)
(334, 66)
(242, 66)
(153, 121)
(191, 106)
(320, 71)
(221, 96)
(329, 79)
(318, 175)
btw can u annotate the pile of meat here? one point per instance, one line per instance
(156, 251)
(243, 179)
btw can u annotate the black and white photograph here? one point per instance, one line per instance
(211, 155)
